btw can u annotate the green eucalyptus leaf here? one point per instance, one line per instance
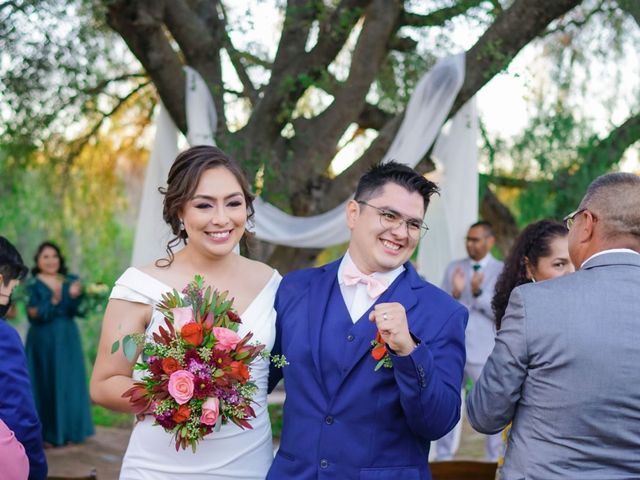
(129, 347)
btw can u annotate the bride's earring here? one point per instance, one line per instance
(181, 225)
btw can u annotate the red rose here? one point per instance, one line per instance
(239, 371)
(170, 365)
(192, 333)
(182, 414)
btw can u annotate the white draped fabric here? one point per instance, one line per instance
(451, 213)
(427, 110)
(152, 233)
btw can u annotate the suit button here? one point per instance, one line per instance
(350, 338)
(324, 463)
(328, 420)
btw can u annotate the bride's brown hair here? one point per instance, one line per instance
(182, 182)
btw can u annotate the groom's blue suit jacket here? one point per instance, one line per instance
(343, 420)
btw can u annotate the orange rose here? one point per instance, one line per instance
(379, 352)
(182, 414)
(192, 333)
(239, 371)
(170, 365)
(380, 349)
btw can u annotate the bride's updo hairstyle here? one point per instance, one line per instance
(182, 182)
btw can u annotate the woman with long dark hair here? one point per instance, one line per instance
(54, 350)
(539, 253)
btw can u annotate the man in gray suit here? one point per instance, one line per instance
(566, 365)
(472, 281)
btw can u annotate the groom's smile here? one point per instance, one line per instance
(380, 238)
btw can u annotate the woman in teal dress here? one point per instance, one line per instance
(54, 351)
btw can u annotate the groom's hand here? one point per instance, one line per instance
(391, 320)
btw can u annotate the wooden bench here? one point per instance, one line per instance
(91, 476)
(463, 470)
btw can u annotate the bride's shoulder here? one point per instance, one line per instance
(260, 272)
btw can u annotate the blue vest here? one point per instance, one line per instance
(337, 345)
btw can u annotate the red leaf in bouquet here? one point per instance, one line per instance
(192, 333)
(249, 411)
(165, 335)
(182, 414)
(244, 340)
(233, 316)
(170, 365)
(139, 397)
(172, 330)
(155, 367)
(242, 423)
(239, 371)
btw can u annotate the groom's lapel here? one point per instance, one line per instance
(400, 291)
(319, 294)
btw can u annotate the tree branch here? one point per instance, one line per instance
(632, 7)
(439, 17)
(98, 88)
(513, 29)
(504, 224)
(317, 138)
(576, 23)
(373, 117)
(249, 90)
(293, 72)
(139, 24)
(344, 184)
(200, 48)
(80, 143)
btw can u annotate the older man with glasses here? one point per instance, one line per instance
(565, 365)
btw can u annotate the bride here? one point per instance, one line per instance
(207, 204)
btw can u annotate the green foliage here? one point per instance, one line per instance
(275, 414)
(107, 418)
(52, 73)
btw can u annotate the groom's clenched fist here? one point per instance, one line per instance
(391, 320)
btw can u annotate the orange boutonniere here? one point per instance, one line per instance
(380, 353)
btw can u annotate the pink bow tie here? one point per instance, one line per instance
(375, 286)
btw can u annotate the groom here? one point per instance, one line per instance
(342, 418)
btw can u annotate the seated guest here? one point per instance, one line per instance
(565, 365)
(17, 409)
(13, 458)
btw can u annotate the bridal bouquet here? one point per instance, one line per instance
(196, 369)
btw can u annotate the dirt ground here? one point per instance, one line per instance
(105, 449)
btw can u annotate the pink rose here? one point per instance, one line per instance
(181, 386)
(182, 316)
(210, 411)
(225, 339)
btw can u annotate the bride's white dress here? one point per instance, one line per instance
(231, 453)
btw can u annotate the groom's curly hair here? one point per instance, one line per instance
(372, 182)
(182, 182)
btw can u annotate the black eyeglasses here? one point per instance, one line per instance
(570, 219)
(391, 220)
